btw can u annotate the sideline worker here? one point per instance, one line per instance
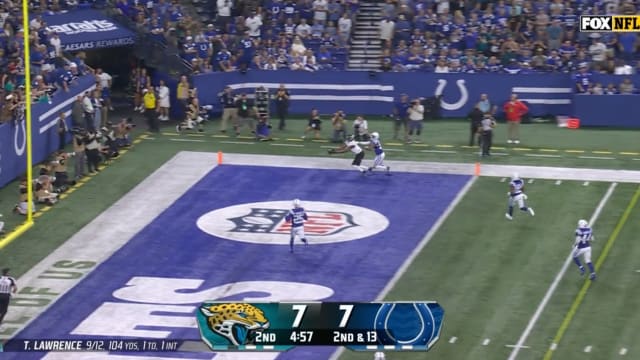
(486, 126)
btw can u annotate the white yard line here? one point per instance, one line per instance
(409, 260)
(552, 288)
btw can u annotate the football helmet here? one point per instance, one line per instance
(583, 223)
(375, 135)
(296, 202)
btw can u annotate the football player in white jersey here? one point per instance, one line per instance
(582, 247)
(517, 197)
(352, 145)
(378, 161)
(297, 216)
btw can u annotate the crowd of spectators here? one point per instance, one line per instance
(515, 37)
(50, 71)
(306, 35)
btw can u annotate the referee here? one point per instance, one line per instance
(486, 129)
(7, 287)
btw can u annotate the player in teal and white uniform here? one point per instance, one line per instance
(517, 197)
(378, 161)
(582, 247)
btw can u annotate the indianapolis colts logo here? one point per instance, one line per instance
(405, 324)
(464, 95)
(20, 128)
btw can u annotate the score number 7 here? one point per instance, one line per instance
(301, 309)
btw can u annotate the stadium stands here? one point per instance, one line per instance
(508, 37)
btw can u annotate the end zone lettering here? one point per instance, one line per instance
(615, 23)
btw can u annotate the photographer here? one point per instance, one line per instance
(339, 127)
(228, 101)
(44, 192)
(486, 130)
(122, 132)
(282, 105)
(244, 114)
(92, 149)
(194, 119)
(263, 130)
(315, 125)
(361, 129)
(416, 117)
(109, 148)
(59, 169)
(21, 206)
(78, 149)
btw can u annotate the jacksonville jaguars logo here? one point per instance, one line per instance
(236, 322)
(264, 222)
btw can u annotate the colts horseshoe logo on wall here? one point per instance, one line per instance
(464, 95)
(20, 127)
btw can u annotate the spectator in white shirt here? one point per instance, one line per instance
(164, 102)
(320, 9)
(36, 23)
(297, 48)
(387, 28)
(344, 29)
(622, 68)
(56, 43)
(224, 13)
(441, 67)
(253, 23)
(598, 50)
(303, 30)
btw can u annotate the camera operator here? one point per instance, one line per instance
(44, 192)
(194, 119)
(92, 149)
(228, 101)
(475, 116)
(109, 148)
(361, 129)
(263, 130)
(416, 117)
(282, 105)
(339, 127)
(59, 169)
(244, 114)
(122, 132)
(78, 148)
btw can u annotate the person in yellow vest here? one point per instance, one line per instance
(150, 108)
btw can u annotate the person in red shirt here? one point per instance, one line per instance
(514, 110)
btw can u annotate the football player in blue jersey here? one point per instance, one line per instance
(378, 161)
(517, 196)
(297, 216)
(582, 247)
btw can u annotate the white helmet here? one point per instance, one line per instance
(375, 135)
(583, 223)
(296, 202)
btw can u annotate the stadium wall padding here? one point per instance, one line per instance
(373, 93)
(13, 151)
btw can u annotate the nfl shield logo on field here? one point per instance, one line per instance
(264, 220)
(265, 223)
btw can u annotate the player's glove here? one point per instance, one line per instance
(524, 196)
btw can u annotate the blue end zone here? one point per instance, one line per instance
(172, 246)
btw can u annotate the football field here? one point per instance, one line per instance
(193, 231)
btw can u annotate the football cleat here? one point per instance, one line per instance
(592, 277)
(533, 213)
(509, 217)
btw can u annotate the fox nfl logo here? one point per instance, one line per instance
(612, 23)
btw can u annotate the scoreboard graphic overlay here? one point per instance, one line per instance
(281, 326)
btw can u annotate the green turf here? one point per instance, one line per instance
(490, 274)
(608, 317)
